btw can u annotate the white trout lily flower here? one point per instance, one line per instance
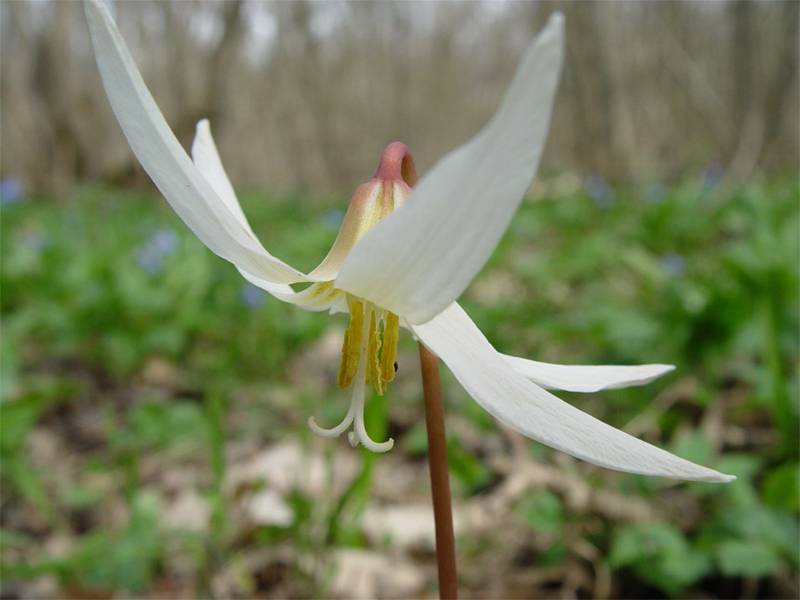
(390, 268)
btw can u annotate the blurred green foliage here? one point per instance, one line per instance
(95, 288)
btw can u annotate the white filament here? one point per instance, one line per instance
(357, 401)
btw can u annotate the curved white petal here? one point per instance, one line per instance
(585, 378)
(536, 413)
(206, 158)
(318, 296)
(170, 168)
(421, 258)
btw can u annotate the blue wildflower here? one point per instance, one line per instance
(655, 193)
(599, 191)
(252, 296)
(711, 175)
(674, 265)
(12, 191)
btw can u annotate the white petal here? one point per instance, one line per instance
(168, 165)
(581, 378)
(206, 159)
(536, 413)
(316, 297)
(421, 258)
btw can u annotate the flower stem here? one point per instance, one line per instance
(440, 482)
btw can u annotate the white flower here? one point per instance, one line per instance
(406, 267)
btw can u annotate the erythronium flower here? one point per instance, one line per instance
(390, 268)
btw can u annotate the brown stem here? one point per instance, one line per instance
(440, 482)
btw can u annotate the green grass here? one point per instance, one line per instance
(115, 315)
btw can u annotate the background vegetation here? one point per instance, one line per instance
(153, 405)
(153, 402)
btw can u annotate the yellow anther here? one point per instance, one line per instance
(355, 336)
(391, 332)
(351, 348)
(373, 370)
(380, 347)
(342, 380)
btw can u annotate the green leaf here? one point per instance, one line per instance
(744, 466)
(16, 419)
(636, 543)
(660, 554)
(746, 559)
(782, 487)
(553, 556)
(468, 471)
(9, 364)
(415, 440)
(762, 524)
(695, 447)
(542, 511)
(166, 425)
(685, 567)
(27, 481)
(128, 560)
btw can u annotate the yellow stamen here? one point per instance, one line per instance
(391, 331)
(372, 356)
(351, 348)
(342, 380)
(380, 347)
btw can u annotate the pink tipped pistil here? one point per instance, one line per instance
(397, 163)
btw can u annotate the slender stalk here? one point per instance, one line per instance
(440, 482)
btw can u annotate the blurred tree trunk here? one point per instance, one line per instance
(742, 16)
(778, 92)
(317, 96)
(763, 74)
(224, 61)
(614, 53)
(588, 83)
(661, 89)
(53, 82)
